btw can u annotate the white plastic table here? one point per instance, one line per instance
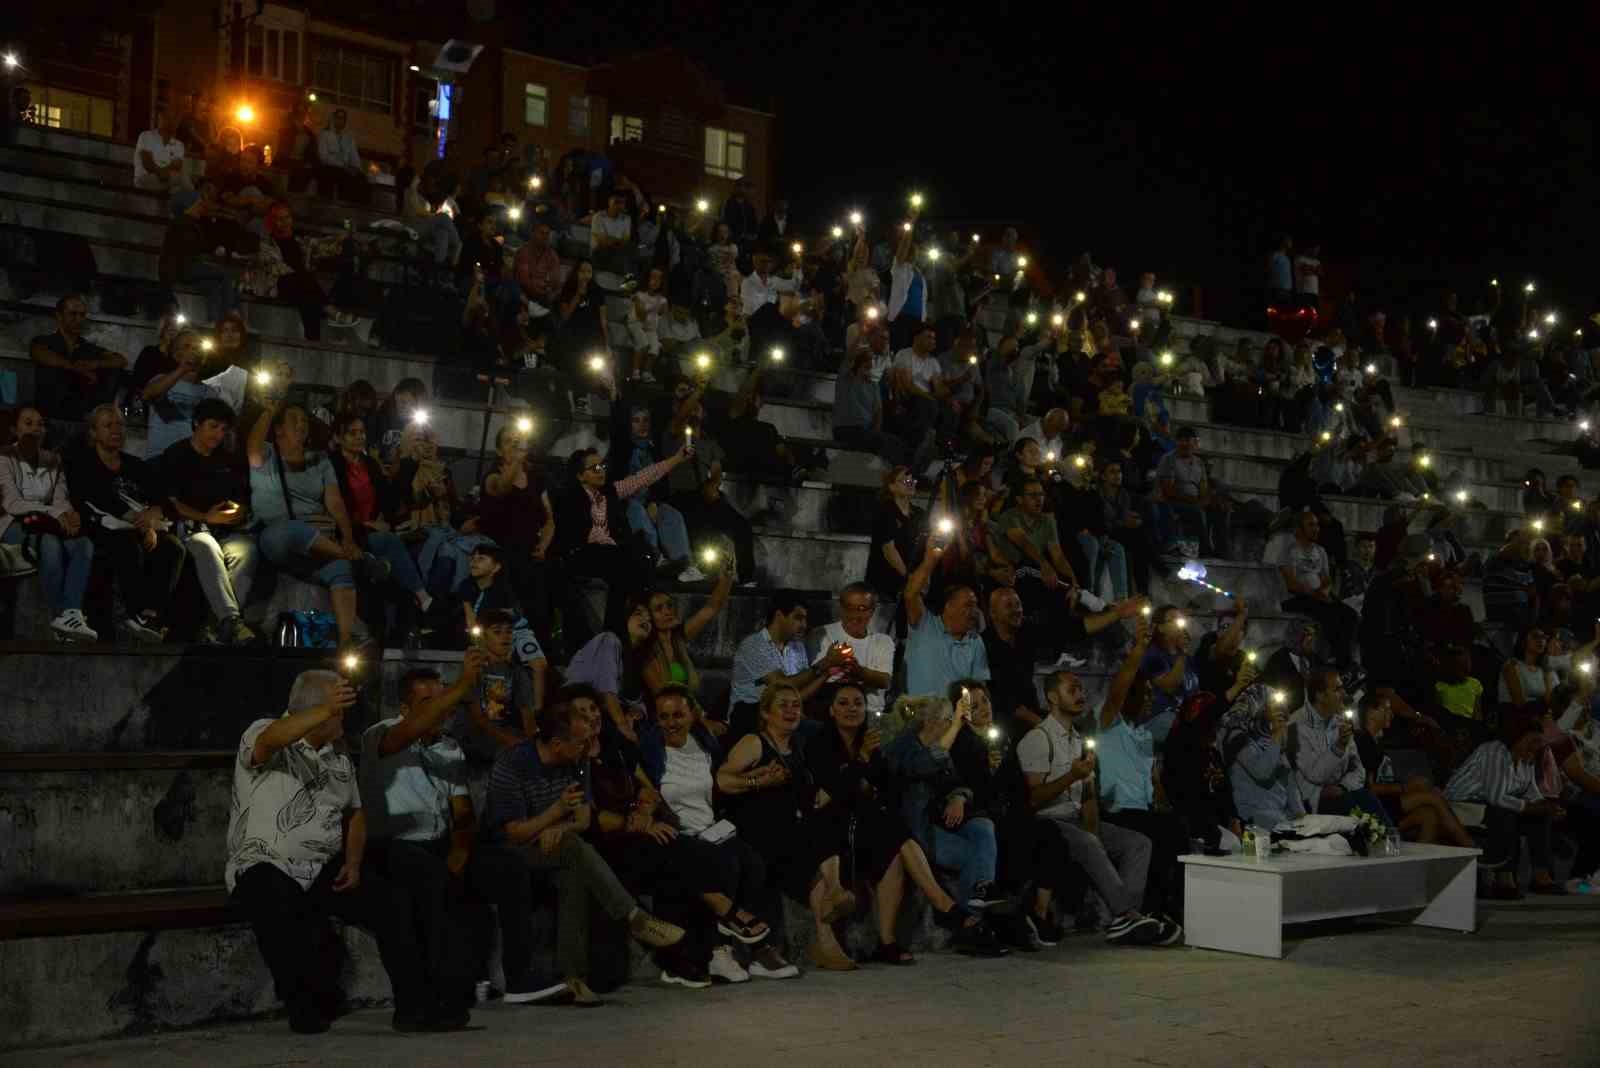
(1240, 904)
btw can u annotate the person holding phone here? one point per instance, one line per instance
(205, 495)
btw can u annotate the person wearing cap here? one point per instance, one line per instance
(1185, 487)
(1308, 577)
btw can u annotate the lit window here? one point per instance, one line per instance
(626, 128)
(353, 78)
(578, 116)
(535, 105)
(724, 153)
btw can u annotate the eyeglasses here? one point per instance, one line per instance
(594, 467)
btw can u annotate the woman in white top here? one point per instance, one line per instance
(1526, 677)
(644, 315)
(691, 754)
(36, 513)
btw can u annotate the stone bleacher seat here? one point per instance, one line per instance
(113, 919)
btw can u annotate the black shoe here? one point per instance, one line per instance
(307, 1019)
(448, 1020)
(1170, 932)
(952, 919)
(979, 940)
(409, 1022)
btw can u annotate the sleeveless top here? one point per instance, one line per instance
(769, 815)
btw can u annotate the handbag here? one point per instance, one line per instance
(35, 525)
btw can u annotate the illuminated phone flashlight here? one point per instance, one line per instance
(536, 183)
(477, 631)
(916, 200)
(1372, 368)
(1080, 461)
(180, 318)
(905, 226)
(1250, 655)
(1528, 288)
(1133, 324)
(245, 113)
(994, 734)
(688, 436)
(206, 344)
(838, 232)
(1279, 697)
(1339, 407)
(351, 663)
(1587, 667)
(1349, 714)
(1180, 622)
(1550, 319)
(855, 218)
(1424, 460)
(1577, 506)
(702, 206)
(777, 354)
(1461, 496)
(1432, 557)
(702, 360)
(1022, 261)
(524, 424)
(1583, 425)
(1088, 744)
(1533, 335)
(872, 314)
(1146, 610)
(1080, 297)
(1538, 525)
(947, 526)
(797, 248)
(1494, 281)
(976, 239)
(973, 358)
(1033, 317)
(1394, 421)
(419, 416)
(1327, 435)
(1426, 496)
(708, 555)
(1049, 457)
(933, 254)
(514, 212)
(1166, 359)
(997, 278)
(263, 378)
(1433, 324)
(597, 364)
(660, 208)
(1058, 319)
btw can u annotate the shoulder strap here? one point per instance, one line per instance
(283, 482)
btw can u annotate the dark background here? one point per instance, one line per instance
(1424, 152)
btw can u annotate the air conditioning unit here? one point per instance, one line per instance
(457, 56)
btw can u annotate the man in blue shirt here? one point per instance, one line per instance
(775, 653)
(1126, 752)
(942, 647)
(538, 807)
(420, 823)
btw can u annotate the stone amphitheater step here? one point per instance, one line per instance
(104, 822)
(100, 965)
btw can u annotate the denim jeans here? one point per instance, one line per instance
(667, 535)
(446, 557)
(287, 544)
(63, 568)
(1107, 556)
(402, 568)
(216, 286)
(970, 849)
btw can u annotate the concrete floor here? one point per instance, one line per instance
(1519, 992)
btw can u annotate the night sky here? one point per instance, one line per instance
(1425, 153)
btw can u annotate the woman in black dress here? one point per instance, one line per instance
(768, 791)
(854, 792)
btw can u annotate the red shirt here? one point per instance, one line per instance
(362, 500)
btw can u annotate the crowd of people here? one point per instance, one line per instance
(941, 731)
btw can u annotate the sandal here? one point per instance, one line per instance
(740, 924)
(892, 953)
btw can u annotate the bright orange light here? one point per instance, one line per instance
(245, 113)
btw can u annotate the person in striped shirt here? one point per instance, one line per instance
(1502, 775)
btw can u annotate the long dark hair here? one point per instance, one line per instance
(569, 288)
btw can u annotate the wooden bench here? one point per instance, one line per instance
(1240, 904)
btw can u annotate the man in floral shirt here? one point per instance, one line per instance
(295, 845)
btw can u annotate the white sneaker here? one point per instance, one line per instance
(1069, 661)
(70, 626)
(725, 968)
(766, 963)
(691, 574)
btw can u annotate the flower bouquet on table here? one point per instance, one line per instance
(1369, 835)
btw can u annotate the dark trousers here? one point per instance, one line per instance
(674, 874)
(1136, 547)
(305, 293)
(348, 185)
(439, 915)
(1169, 839)
(723, 518)
(1583, 822)
(1506, 831)
(1032, 850)
(148, 578)
(291, 927)
(1351, 800)
(1337, 620)
(617, 567)
(894, 450)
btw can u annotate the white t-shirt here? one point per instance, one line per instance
(618, 229)
(1309, 563)
(1049, 750)
(1307, 281)
(163, 152)
(686, 786)
(924, 369)
(875, 652)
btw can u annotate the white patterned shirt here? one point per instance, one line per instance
(289, 812)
